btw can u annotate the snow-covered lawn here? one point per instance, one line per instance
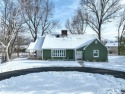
(114, 63)
(62, 83)
(24, 63)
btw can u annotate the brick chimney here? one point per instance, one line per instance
(64, 33)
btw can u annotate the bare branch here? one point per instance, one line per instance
(100, 12)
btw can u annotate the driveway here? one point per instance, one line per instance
(6, 75)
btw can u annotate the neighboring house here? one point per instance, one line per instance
(23, 47)
(112, 47)
(73, 47)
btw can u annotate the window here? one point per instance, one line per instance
(95, 53)
(58, 53)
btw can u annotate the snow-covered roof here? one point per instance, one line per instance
(68, 42)
(37, 45)
(115, 44)
(31, 46)
(89, 41)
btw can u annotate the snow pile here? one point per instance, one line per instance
(62, 83)
(114, 63)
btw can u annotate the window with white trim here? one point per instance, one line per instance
(58, 53)
(95, 53)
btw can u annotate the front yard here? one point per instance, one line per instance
(63, 82)
(115, 63)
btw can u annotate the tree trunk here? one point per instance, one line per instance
(99, 30)
(18, 51)
(7, 49)
(35, 37)
(7, 55)
(118, 44)
(118, 49)
(99, 34)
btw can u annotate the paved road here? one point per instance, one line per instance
(10, 74)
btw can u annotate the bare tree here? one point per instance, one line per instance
(68, 25)
(78, 23)
(47, 23)
(100, 12)
(37, 15)
(121, 29)
(11, 23)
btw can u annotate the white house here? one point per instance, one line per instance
(112, 47)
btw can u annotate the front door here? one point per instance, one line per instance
(79, 55)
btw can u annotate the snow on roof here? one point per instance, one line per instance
(37, 45)
(87, 42)
(31, 46)
(69, 42)
(115, 44)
